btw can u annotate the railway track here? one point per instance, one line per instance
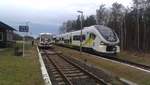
(142, 66)
(67, 72)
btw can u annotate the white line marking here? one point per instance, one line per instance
(43, 69)
(148, 71)
(127, 81)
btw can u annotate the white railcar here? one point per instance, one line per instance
(46, 39)
(97, 37)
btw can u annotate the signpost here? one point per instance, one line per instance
(24, 29)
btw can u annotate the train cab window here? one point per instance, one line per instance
(92, 35)
(107, 33)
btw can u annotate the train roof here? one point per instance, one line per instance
(45, 33)
(86, 29)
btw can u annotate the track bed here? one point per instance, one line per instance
(64, 70)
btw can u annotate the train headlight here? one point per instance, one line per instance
(102, 43)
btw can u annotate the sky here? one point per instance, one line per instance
(48, 15)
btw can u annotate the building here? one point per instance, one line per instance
(6, 35)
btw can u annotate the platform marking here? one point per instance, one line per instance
(43, 69)
(148, 71)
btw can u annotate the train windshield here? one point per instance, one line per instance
(45, 37)
(107, 33)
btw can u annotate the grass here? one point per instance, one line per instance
(18, 70)
(142, 58)
(134, 75)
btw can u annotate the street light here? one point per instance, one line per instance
(81, 12)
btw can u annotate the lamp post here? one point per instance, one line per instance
(81, 12)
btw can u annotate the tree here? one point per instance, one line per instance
(62, 29)
(90, 21)
(100, 15)
(78, 23)
(116, 20)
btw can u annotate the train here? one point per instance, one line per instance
(45, 40)
(97, 38)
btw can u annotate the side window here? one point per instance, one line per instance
(92, 35)
(1, 36)
(78, 37)
(73, 37)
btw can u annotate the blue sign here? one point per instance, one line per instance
(23, 28)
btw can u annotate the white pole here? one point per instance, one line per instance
(23, 45)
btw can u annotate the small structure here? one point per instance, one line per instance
(6, 35)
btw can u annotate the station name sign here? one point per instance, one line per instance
(23, 28)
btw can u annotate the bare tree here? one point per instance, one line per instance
(116, 22)
(100, 15)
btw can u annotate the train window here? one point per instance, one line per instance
(92, 35)
(73, 37)
(78, 37)
(107, 33)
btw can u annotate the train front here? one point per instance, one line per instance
(45, 40)
(109, 40)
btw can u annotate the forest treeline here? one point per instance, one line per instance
(132, 24)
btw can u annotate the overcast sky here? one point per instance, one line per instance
(48, 15)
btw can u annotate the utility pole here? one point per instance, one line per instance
(144, 37)
(81, 16)
(122, 38)
(125, 30)
(138, 26)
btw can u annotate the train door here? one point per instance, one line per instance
(92, 40)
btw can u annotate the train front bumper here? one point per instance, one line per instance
(108, 49)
